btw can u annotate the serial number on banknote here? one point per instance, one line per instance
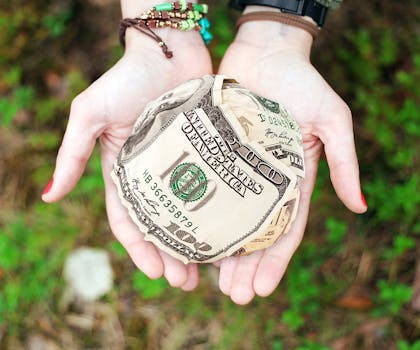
(278, 121)
(167, 203)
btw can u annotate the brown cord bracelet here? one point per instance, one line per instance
(141, 27)
(281, 17)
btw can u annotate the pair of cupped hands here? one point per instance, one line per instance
(271, 59)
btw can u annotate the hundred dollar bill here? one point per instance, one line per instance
(274, 128)
(280, 225)
(192, 180)
(266, 121)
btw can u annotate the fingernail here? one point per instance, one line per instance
(364, 200)
(48, 187)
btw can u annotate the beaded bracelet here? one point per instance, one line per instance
(180, 15)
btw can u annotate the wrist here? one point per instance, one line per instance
(176, 40)
(275, 35)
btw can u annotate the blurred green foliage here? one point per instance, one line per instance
(375, 65)
(404, 345)
(24, 243)
(149, 289)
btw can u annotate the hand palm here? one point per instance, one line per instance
(288, 77)
(110, 106)
(108, 109)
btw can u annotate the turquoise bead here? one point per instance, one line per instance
(207, 36)
(204, 23)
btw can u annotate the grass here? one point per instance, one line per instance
(349, 285)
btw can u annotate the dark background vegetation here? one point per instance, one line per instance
(351, 285)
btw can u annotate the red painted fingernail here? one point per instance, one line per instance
(47, 189)
(364, 200)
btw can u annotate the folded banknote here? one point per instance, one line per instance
(211, 170)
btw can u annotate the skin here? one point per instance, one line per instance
(107, 111)
(276, 66)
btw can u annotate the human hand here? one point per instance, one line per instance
(107, 110)
(272, 59)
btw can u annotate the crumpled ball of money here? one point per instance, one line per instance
(211, 170)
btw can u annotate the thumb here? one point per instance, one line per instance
(76, 148)
(340, 151)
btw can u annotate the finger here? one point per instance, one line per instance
(76, 148)
(192, 278)
(227, 267)
(144, 254)
(275, 260)
(175, 271)
(273, 264)
(242, 290)
(340, 151)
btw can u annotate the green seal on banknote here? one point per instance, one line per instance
(211, 170)
(188, 182)
(269, 104)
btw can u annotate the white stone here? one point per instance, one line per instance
(88, 273)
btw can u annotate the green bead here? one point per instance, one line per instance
(183, 4)
(184, 25)
(203, 8)
(190, 24)
(197, 15)
(190, 15)
(198, 7)
(164, 7)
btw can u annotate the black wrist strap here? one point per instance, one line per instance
(309, 8)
